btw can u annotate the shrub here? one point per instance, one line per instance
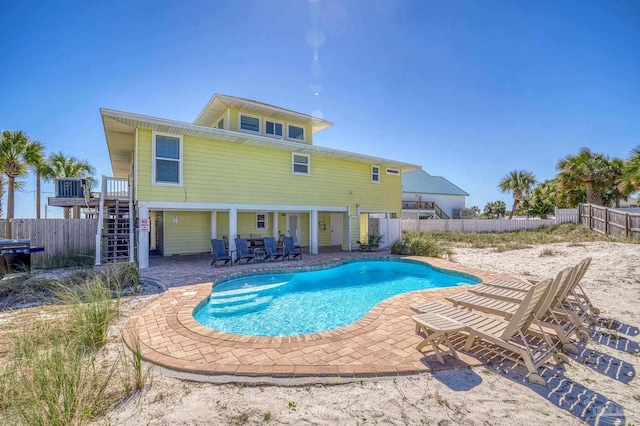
(398, 247)
(418, 244)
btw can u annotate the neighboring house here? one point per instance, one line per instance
(431, 197)
(241, 168)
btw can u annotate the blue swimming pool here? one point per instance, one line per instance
(287, 304)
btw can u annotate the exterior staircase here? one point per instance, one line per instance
(114, 239)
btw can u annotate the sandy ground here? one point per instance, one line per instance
(597, 387)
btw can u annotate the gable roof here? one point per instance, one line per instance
(120, 132)
(421, 182)
(219, 104)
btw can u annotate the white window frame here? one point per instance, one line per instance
(304, 133)
(394, 172)
(293, 163)
(154, 158)
(264, 129)
(240, 129)
(265, 220)
(376, 173)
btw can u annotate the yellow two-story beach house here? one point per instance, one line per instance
(241, 168)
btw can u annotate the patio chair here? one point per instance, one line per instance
(559, 312)
(219, 252)
(562, 329)
(272, 252)
(511, 335)
(243, 251)
(571, 305)
(290, 248)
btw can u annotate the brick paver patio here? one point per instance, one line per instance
(382, 343)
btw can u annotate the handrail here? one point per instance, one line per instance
(100, 222)
(115, 188)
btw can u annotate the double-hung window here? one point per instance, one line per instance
(295, 132)
(375, 174)
(300, 164)
(167, 159)
(261, 221)
(249, 123)
(273, 128)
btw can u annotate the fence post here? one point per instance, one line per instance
(627, 225)
(606, 221)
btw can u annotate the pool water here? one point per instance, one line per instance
(287, 304)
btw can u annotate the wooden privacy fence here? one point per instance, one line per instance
(617, 222)
(488, 225)
(65, 241)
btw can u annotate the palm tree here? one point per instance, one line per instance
(630, 179)
(588, 169)
(17, 153)
(616, 189)
(495, 209)
(60, 166)
(519, 183)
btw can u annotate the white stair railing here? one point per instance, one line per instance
(100, 222)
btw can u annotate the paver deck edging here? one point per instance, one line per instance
(381, 343)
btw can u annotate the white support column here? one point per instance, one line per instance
(233, 228)
(275, 225)
(143, 240)
(313, 226)
(350, 240)
(214, 224)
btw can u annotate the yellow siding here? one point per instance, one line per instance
(219, 172)
(192, 233)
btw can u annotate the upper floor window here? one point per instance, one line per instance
(220, 124)
(300, 164)
(273, 128)
(261, 221)
(295, 132)
(375, 174)
(249, 123)
(167, 161)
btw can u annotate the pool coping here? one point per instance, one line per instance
(382, 343)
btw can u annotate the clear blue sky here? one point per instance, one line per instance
(468, 89)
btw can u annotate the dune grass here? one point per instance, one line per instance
(441, 244)
(53, 374)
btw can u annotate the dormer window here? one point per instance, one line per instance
(375, 174)
(295, 132)
(220, 124)
(273, 128)
(249, 123)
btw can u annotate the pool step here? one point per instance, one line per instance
(245, 290)
(232, 300)
(256, 304)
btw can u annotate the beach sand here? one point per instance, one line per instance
(597, 387)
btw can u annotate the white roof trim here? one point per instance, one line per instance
(165, 125)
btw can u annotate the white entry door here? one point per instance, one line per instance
(336, 229)
(293, 227)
